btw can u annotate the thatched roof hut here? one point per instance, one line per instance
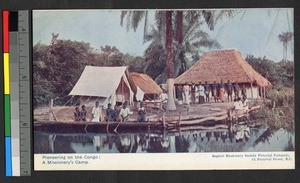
(223, 65)
(146, 84)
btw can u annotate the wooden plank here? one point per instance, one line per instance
(188, 128)
(198, 121)
(189, 117)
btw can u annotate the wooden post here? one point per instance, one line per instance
(264, 92)
(164, 119)
(229, 113)
(174, 92)
(251, 90)
(50, 110)
(179, 119)
(261, 92)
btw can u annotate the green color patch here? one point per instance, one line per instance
(7, 116)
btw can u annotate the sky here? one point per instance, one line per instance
(253, 31)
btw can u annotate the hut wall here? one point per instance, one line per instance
(255, 91)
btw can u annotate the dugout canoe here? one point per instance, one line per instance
(134, 126)
(94, 127)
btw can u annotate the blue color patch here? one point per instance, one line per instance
(8, 157)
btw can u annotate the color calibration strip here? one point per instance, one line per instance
(7, 109)
(24, 98)
(17, 99)
(14, 92)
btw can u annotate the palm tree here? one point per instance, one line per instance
(134, 18)
(170, 63)
(285, 38)
(164, 21)
(189, 40)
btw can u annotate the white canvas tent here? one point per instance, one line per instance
(105, 84)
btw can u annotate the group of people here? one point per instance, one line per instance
(241, 104)
(111, 115)
(201, 92)
(80, 115)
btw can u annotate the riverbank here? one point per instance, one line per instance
(279, 110)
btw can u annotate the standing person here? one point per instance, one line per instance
(214, 91)
(221, 91)
(83, 113)
(77, 114)
(201, 93)
(186, 91)
(244, 93)
(141, 115)
(236, 89)
(229, 90)
(109, 113)
(164, 100)
(206, 91)
(96, 113)
(115, 114)
(193, 93)
(125, 112)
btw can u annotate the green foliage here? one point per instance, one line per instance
(282, 97)
(58, 66)
(280, 115)
(280, 74)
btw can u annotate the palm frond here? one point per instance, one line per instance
(123, 14)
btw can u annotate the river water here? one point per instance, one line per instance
(240, 139)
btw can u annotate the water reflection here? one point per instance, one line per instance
(239, 138)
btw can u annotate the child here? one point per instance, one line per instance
(142, 115)
(109, 113)
(115, 113)
(77, 114)
(83, 113)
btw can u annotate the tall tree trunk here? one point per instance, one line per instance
(179, 37)
(179, 27)
(170, 63)
(284, 51)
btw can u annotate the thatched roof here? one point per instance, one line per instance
(223, 64)
(145, 83)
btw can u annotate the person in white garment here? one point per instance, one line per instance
(186, 91)
(125, 112)
(96, 112)
(164, 100)
(201, 93)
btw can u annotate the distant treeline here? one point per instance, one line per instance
(280, 74)
(58, 66)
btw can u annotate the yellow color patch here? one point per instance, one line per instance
(6, 74)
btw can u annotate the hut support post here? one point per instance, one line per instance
(264, 92)
(261, 92)
(174, 92)
(251, 90)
